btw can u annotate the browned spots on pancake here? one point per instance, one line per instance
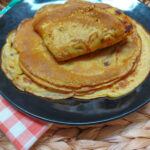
(124, 21)
(93, 37)
(123, 84)
(106, 63)
(117, 88)
(118, 12)
(134, 74)
(89, 8)
(27, 80)
(11, 67)
(128, 28)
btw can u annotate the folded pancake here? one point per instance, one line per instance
(112, 57)
(76, 28)
(133, 80)
(78, 75)
(46, 9)
(10, 66)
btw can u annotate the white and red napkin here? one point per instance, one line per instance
(23, 131)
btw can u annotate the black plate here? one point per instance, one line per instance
(73, 111)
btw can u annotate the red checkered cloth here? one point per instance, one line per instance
(23, 131)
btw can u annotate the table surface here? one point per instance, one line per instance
(131, 132)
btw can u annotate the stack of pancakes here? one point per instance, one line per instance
(77, 49)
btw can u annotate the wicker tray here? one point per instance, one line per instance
(129, 133)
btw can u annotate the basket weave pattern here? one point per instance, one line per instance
(129, 133)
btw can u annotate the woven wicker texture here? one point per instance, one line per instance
(129, 133)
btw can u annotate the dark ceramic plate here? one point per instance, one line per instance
(73, 111)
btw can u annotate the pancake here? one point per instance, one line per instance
(88, 71)
(9, 56)
(10, 66)
(78, 28)
(133, 80)
(46, 9)
(109, 71)
(81, 91)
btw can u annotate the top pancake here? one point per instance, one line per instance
(76, 28)
(97, 68)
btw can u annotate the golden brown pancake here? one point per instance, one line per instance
(84, 73)
(45, 10)
(133, 80)
(76, 28)
(10, 66)
(112, 71)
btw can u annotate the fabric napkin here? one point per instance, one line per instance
(23, 131)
